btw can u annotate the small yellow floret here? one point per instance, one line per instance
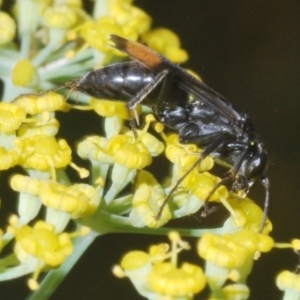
(95, 148)
(97, 34)
(129, 154)
(7, 28)
(253, 241)
(235, 291)
(41, 242)
(135, 260)
(288, 280)
(147, 202)
(79, 200)
(36, 104)
(11, 117)
(108, 108)
(60, 16)
(174, 236)
(129, 17)
(158, 127)
(44, 152)
(154, 145)
(39, 127)
(202, 183)
(158, 253)
(167, 43)
(8, 158)
(296, 244)
(25, 184)
(33, 284)
(24, 73)
(222, 251)
(168, 280)
(252, 214)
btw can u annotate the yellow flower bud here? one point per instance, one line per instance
(97, 34)
(130, 17)
(43, 153)
(8, 158)
(43, 128)
(170, 281)
(94, 148)
(252, 213)
(41, 242)
(60, 16)
(167, 43)
(296, 244)
(288, 280)
(7, 28)
(147, 202)
(25, 74)
(127, 153)
(135, 260)
(11, 117)
(36, 104)
(79, 200)
(154, 145)
(108, 108)
(158, 252)
(222, 251)
(25, 184)
(235, 291)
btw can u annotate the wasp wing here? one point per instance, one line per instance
(186, 81)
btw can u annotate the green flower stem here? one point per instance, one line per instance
(98, 170)
(121, 176)
(8, 261)
(9, 53)
(55, 277)
(104, 222)
(57, 37)
(65, 71)
(120, 206)
(100, 9)
(291, 295)
(59, 219)
(6, 64)
(9, 272)
(28, 207)
(10, 91)
(59, 62)
(7, 140)
(25, 45)
(216, 277)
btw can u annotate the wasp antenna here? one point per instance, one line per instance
(142, 53)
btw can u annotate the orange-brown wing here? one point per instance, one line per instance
(186, 81)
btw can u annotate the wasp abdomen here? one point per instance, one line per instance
(120, 81)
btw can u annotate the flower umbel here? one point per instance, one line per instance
(58, 42)
(154, 276)
(39, 246)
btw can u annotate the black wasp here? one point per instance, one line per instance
(200, 115)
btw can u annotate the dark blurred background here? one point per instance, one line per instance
(249, 52)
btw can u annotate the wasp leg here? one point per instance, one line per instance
(230, 176)
(143, 93)
(219, 138)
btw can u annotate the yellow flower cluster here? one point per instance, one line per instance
(78, 200)
(156, 274)
(39, 247)
(58, 41)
